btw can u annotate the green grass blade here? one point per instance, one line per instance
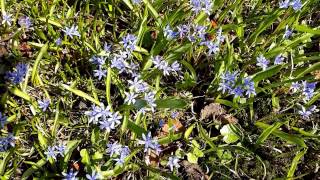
(43, 50)
(265, 134)
(80, 93)
(285, 136)
(295, 163)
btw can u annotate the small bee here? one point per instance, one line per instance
(75, 165)
(213, 21)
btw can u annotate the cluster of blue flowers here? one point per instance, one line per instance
(17, 76)
(7, 142)
(307, 91)
(115, 149)
(295, 4)
(201, 5)
(164, 66)
(232, 84)
(263, 62)
(196, 33)
(54, 151)
(100, 114)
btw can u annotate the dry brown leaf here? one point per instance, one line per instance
(213, 109)
(218, 112)
(176, 124)
(194, 171)
(316, 74)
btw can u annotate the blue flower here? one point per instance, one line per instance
(130, 98)
(296, 5)
(200, 31)
(162, 65)
(220, 38)
(196, 6)
(284, 4)
(99, 73)
(114, 148)
(173, 162)
(97, 60)
(262, 62)
(17, 76)
(44, 104)
(114, 119)
(183, 30)
(72, 31)
(3, 120)
(119, 63)
(51, 153)
(94, 176)
(279, 59)
(25, 22)
(227, 82)
(70, 175)
(169, 33)
(287, 33)
(136, 1)
(295, 86)
(60, 149)
(249, 86)
(238, 91)
(58, 42)
(107, 47)
(6, 19)
(124, 152)
(147, 141)
(129, 42)
(306, 113)
(213, 47)
(7, 142)
(98, 112)
(308, 90)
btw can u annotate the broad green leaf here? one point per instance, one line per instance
(71, 145)
(192, 158)
(19, 93)
(262, 75)
(42, 140)
(33, 169)
(85, 157)
(306, 29)
(171, 103)
(189, 131)
(228, 135)
(135, 128)
(50, 21)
